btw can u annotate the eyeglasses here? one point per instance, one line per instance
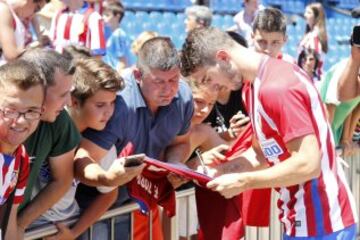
(30, 115)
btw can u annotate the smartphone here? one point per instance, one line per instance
(134, 160)
(356, 36)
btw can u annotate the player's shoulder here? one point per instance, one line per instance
(280, 77)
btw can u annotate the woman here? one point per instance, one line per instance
(315, 33)
(309, 60)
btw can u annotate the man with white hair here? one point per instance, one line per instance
(197, 16)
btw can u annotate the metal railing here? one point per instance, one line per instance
(274, 232)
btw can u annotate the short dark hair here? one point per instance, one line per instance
(304, 53)
(92, 75)
(238, 38)
(270, 20)
(20, 73)
(116, 8)
(48, 61)
(158, 53)
(200, 47)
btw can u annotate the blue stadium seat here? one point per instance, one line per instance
(177, 28)
(227, 21)
(169, 17)
(155, 16)
(217, 20)
(180, 17)
(163, 29)
(141, 16)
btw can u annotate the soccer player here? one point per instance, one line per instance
(293, 152)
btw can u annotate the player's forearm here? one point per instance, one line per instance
(96, 209)
(178, 153)
(294, 170)
(348, 86)
(46, 198)
(248, 161)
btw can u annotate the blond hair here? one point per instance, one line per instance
(141, 39)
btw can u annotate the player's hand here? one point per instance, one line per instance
(237, 124)
(176, 180)
(64, 233)
(119, 175)
(210, 171)
(355, 54)
(215, 155)
(230, 185)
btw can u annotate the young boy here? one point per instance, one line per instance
(21, 99)
(269, 33)
(78, 24)
(117, 42)
(93, 97)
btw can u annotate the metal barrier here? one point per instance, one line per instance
(274, 232)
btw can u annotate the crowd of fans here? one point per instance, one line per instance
(73, 106)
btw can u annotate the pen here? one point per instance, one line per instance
(198, 154)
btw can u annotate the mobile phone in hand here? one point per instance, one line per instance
(355, 38)
(134, 160)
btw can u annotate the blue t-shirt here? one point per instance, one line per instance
(117, 46)
(133, 121)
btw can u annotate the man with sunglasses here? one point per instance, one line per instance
(14, 13)
(22, 95)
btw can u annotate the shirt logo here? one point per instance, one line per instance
(271, 148)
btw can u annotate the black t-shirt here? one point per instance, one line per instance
(221, 114)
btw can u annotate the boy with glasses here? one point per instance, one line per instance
(22, 95)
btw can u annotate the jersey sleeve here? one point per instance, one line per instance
(289, 106)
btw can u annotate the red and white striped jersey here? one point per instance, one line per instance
(284, 105)
(12, 177)
(84, 27)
